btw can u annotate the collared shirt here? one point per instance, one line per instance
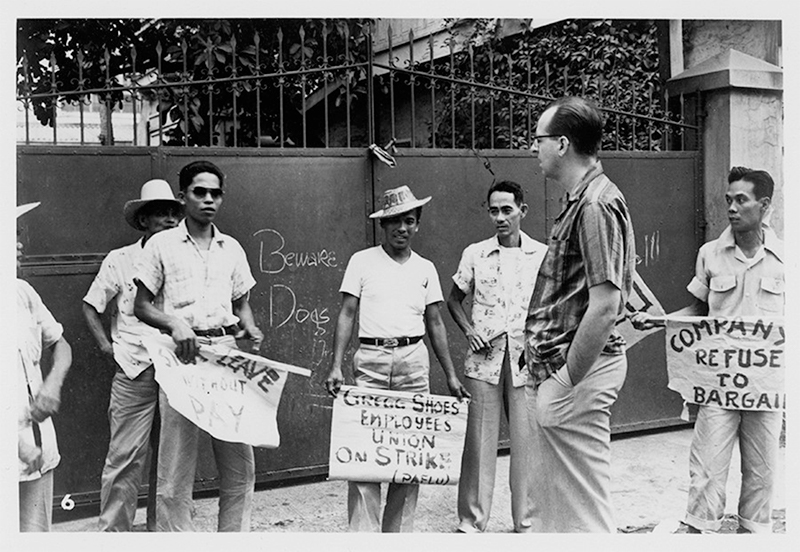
(36, 330)
(195, 285)
(500, 300)
(591, 243)
(114, 284)
(392, 296)
(734, 285)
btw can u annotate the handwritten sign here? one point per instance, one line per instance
(231, 394)
(398, 437)
(733, 363)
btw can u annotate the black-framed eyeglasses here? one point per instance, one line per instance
(538, 137)
(201, 192)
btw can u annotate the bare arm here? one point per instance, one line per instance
(643, 321)
(48, 400)
(593, 330)
(181, 333)
(438, 336)
(341, 339)
(96, 329)
(241, 308)
(455, 304)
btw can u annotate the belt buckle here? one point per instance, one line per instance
(391, 342)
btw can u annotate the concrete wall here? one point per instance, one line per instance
(743, 125)
(706, 38)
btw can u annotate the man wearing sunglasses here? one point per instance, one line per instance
(194, 283)
(134, 391)
(575, 356)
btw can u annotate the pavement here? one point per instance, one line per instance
(649, 480)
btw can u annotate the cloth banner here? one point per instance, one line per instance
(733, 363)
(394, 436)
(641, 299)
(231, 394)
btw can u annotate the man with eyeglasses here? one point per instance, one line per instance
(575, 356)
(499, 274)
(194, 283)
(134, 391)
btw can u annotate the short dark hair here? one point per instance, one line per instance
(763, 185)
(580, 120)
(188, 172)
(507, 186)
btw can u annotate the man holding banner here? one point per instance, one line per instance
(397, 295)
(499, 273)
(194, 283)
(739, 284)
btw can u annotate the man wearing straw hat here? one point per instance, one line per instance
(398, 297)
(39, 398)
(194, 283)
(134, 391)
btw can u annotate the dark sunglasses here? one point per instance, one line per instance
(200, 192)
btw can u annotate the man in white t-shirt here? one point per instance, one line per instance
(499, 275)
(398, 296)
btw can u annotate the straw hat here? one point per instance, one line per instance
(152, 190)
(22, 209)
(397, 201)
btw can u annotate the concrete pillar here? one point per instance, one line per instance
(742, 101)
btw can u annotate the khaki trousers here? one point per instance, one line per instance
(571, 430)
(396, 369)
(479, 462)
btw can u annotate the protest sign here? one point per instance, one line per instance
(733, 363)
(398, 437)
(641, 299)
(231, 394)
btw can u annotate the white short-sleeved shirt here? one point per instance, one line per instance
(500, 281)
(734, 285)
(36, 330)
(392, 296)
(114, 284)
(196, 286)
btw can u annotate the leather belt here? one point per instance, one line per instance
(389, 341)
(216, 332)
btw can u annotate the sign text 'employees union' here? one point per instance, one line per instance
(381, 435)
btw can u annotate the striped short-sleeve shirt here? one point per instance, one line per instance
(195, 285)
(590, 243)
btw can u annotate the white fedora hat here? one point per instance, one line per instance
(22, 209)
(152, 190)
(398, 201)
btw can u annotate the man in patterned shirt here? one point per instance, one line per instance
(576, 357)
(134, 391)
(499, 273)
(194, 283)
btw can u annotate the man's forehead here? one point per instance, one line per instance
(500, 198)
(740, 187)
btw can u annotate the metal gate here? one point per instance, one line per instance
(299, 218)
(297, 197)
